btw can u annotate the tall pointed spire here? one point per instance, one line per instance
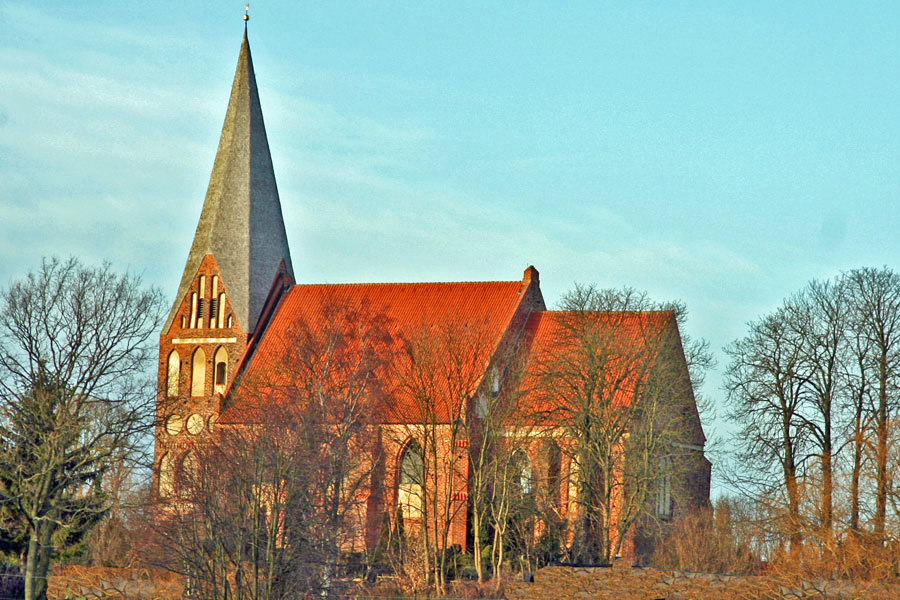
(241, 222)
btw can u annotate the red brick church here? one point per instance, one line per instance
(238, 297)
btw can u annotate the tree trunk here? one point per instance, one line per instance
(42, 573)
(790, 483)
(476, 544)
(858, 442)
(37, 563)
(881, 453)
(795, 535)
(854, 478)
(31, 566)
(426, 542)
(497, 557)
(827, 491)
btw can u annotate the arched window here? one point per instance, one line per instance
(573, 482)
(166, 476)
(412, 481)
(198, 373)
(553, 456)
(190, 471)
(174, 374)
(222, 311)
(193, 310)
(214, 303)
(221, 370)
(201, 302)
(481, 406)
(522, 472)
(664, 488)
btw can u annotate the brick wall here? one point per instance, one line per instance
(185, 341)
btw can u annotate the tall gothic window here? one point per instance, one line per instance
(221, 372)
(214, 303)
(664, 488)
(173, 374)
(198, 373)
(412, 481)
(190, 471)
(166, 476)
(201, 302)
(524, 475)
(193, 310)
(554, 471)
(221, 310)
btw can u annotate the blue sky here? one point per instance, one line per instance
(722, 153)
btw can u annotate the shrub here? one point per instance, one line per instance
(12, 582)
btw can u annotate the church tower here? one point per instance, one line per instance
(239, 247)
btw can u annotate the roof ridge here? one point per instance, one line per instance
(296, 285)
(611, 312)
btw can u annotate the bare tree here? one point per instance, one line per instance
(819, 317)
(512, 505)
(439, 373)
(75, 344)
(719, 539)
(247, 520)
(876, 296)
(500, 429)
(765, 385)
(274, 500)
(855, 376)
(615, 381)
(338, 367)
(116, 540)
(813, 381)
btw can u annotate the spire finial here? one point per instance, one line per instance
(247, 12)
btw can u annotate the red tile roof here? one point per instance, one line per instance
(409, 308)
(559, 342)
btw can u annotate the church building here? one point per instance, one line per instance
(239, 296)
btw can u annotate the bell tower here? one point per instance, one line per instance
(239, 247)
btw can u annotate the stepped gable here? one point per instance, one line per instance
(408, 307)
(241, 222)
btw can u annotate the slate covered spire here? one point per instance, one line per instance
(241, 223)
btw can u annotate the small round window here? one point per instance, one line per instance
(174, 424)
(195, 424)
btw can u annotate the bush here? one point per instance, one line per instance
(460, 566)
(12, 582)
(708, 541)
